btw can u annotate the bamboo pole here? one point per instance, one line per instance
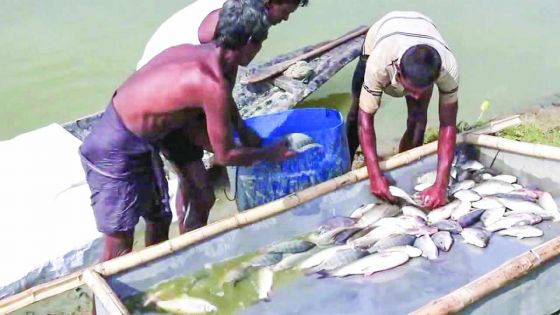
(492, 281)
(265, 73)
(40, 292)
(529, 149)
(103, 292)
(151, 253)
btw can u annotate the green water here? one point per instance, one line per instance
(62, 59)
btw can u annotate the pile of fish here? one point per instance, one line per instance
(381, 236)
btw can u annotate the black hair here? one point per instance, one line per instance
(421, 64)
(241, 21)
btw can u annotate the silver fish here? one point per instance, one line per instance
(235, 275)
(379, 211)
(462, 209)
(488, 203)
(291, 247)
(523, 206)
(471, 165)
(427, 178)
(375, 235)
(320, 256)
(492, 187)
(265, 260)
(399, 193)
(371, 264)
(506, 178)
(358, 213)
(475, 236)
(392, 241)
(549, 205)
(403, 221)
(467, 195)
(290, 261)
(462, 185)
(492, 216)
(326, 238)
(427, 246)
(300, 142)
(414, 211)
(265, 280)
(443, 240)
(422, 186)
(522, 231)
(444, 212)
(449, 226)
(339, 259)
(342, 237)
(187, 305)
(470, 218)
(517, 186)
(514, 219)
(411, 251)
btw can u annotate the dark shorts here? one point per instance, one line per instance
(179, 149)
(125, 175)
(359, 72)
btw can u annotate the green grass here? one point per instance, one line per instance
(433, 133)
(533, 134)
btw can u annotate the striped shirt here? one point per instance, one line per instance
(386, 42)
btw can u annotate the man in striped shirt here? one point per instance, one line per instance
(405, 55)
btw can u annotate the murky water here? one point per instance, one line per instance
(62, 59)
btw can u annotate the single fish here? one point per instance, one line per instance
(339, 259)
(399, 193)
(265, 280)
(523, 206)
(265, 260)
(411, 251)
(513, 220)
(290, 261)
(506, 178)
(443, 240)
(470, 218)
(392, 241)
(519, 195)
(449, 226)
(336, 222)
(475, 236)
(471, 165)
(487, 203)
(443, 213)
(414, 211)
(462, 185)
(522, 231)
(461, 210)
(467, 195)
(300, 142)
(549, 205)
(320, 256)
(358, 213)
(492, 216)
(428, 178)
(375, 235)
(291, 247)
(492, 187)
(427, 246)
(186, 305)
(370, 264)
(382, 210)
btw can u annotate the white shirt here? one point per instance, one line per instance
(386, 42)
(181, 28)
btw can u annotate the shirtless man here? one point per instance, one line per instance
(170, 94)
(404, 55)
(196, 24)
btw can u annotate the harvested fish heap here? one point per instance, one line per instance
(382, 236)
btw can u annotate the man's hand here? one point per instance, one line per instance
(433, 197)
(280, 152)
(380, 188)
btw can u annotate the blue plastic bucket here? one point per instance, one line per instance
(267, 181)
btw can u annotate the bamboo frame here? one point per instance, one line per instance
(492, 281)
(103, 293)
(530, 149)
(262, 212)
